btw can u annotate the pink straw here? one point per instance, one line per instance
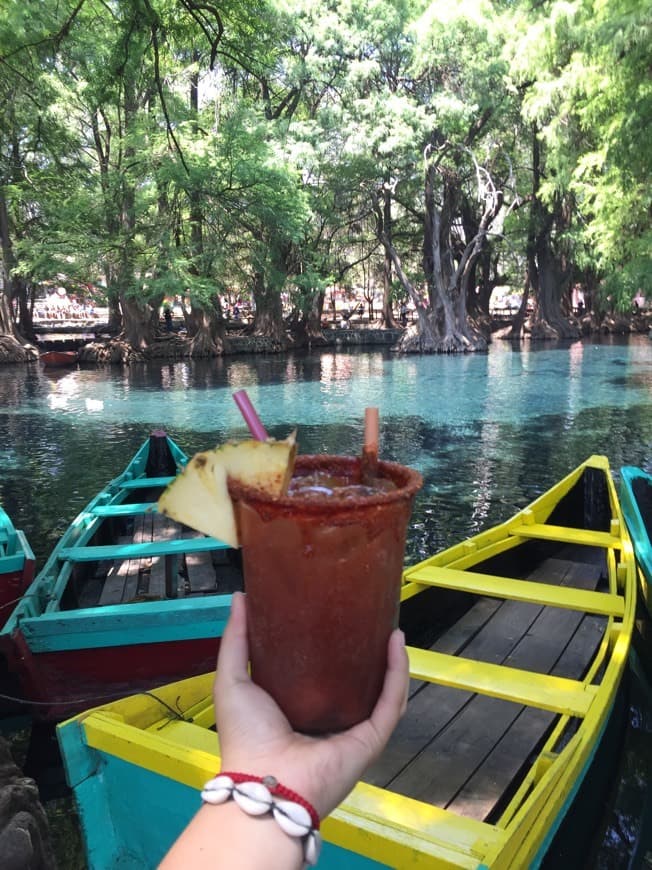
(252, 419)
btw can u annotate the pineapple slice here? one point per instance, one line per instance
(199, 496)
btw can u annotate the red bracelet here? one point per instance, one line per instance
(277, 790)
(260, 795)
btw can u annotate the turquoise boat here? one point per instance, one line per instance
(636, 501)
(127, 599)
(17, 565)
(523, 638)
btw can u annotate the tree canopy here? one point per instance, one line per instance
(269, 150)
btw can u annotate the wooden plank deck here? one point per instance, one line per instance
(464, 751)
(157, 576)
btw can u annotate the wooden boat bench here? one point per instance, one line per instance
(138, 551)
(468, 733)
(146, 482)
(124, 510)
(147, 563)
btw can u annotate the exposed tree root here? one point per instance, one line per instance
(453, 342)
(543, 330)
(12, 351)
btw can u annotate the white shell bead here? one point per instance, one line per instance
(312, 848)
(221, 781)
(253, 797)
(217, 790)
(293, 818)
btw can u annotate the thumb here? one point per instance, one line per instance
(233, 658)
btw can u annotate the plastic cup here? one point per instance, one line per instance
(322, 578)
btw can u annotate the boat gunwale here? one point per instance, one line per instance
(638, 528)
(536, 810)
(48, 587)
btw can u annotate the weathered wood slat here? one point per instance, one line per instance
(113, 590)
(200, 569)
(455, 758)
(164, 529)
(438, 705)
(486, 723)
(587, 601)
(506, 759)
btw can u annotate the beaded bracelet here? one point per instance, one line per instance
(258, 795)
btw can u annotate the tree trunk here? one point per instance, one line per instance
(7, 324)
(196, 202)
(312, 320)
(6, 319)
(387, 317)
(268, 319)
(448, 300)
(544, 272)
(207, 331)
(138, 322)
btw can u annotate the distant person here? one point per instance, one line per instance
(404, 314)
(167, 315)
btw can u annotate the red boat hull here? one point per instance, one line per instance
(12, 586)
(56, 685)
(59, 358)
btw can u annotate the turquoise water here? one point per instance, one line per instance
(488, 432)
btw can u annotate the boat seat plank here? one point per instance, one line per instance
(588, 601)
(200, 569)
(505, 762)
(136, 551)
(439, 704)
(9, 564)
(586, 537)
(461, 633)
(486, 722)
(115, 584)
(124, 510)
(145, 482)
(164, 529)
(518, 637)
(500, 681)
(201, 572)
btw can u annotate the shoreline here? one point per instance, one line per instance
(103, 348)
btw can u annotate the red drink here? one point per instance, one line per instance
(322, 575)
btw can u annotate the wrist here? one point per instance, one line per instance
(223, 836)
(292, 776)
(265, 797)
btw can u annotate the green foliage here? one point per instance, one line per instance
(163, 147)
(586, 65)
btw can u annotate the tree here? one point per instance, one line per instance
(33, 174)
(582, 72)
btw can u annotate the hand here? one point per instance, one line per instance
(255, 737)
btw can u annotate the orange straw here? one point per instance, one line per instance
(371, 430)
(370, 449)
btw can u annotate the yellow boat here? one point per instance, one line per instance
(525, 631)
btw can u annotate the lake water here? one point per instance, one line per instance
(488, 432)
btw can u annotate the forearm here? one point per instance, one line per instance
(225, 837)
